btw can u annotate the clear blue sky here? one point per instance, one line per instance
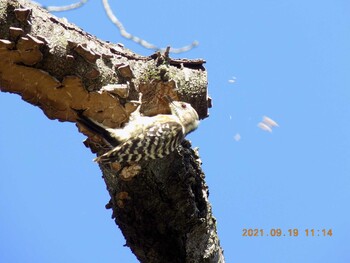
(291, 60)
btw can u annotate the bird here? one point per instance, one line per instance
(144, 137)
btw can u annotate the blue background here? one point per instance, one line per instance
(290, 59)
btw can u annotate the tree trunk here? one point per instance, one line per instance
(161, 206)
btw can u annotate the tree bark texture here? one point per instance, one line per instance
(161, 206)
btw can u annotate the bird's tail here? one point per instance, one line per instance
(96, 128)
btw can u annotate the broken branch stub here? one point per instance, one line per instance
(59, 67)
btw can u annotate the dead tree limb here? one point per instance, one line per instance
(161, 208)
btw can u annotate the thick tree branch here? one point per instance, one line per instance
(161, 206)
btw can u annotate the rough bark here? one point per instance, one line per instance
(161, 206)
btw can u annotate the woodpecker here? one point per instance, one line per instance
(145, 138)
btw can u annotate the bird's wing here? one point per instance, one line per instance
(156, 141)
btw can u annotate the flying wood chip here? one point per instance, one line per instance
(267, 124)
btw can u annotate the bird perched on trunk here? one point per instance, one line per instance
(144, 137)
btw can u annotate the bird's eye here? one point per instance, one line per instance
(184, 106)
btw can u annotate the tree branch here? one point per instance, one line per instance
(64, 7)
(138, 40)
(161, 206)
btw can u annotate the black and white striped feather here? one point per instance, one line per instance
(157, 141)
